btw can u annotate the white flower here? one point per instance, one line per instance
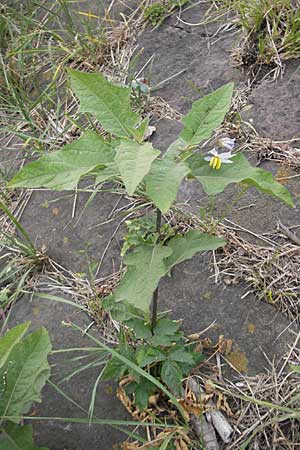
(227, 143)
(217, 159)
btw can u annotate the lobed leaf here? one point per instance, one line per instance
(186, 246)
(141, 328)
(148, 263)
(206, 115)
(64, 168)
(166, 327)
(134, 161)
(114, 370)
(145, 267)
(215, 181)
(24, 374)
(181, 355)
(141, 397)
(108, 102)
(10, 339)
(160, 340)
(141, 392)
(147, 355)
(163, 182)
(120, 311)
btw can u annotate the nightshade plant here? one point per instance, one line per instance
(125, 157)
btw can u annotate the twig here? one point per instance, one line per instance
(289, 234)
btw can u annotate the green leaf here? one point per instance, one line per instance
(134, 161)
(175, 149)
(145, 267)
(171, 375)
(206, 115)
(24, 374)
(142, 330)
(159, 340)
(114, 370)
(148, 355)
(64, 168)
(186, 246)
(163, 182)
(16, 437)
(141, 397)
(215, 181)
(198, 358)
(137, 371)
(124, 348)
(182, 356)
(10, 339)
(141, 392)
(108, 102)
(140, 131)
(166, 327)
(122, 312)
(110, 172)
(294, 368)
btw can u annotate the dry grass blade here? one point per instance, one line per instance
(84, 292)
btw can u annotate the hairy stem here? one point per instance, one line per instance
(155, 294)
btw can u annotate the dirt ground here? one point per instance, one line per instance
(200, 55)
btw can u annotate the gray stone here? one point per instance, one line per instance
(275, 111)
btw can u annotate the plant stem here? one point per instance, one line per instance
(155, 294)
(158, 220)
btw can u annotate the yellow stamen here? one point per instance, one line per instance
(215, 163)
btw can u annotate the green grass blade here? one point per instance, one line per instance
(17, 225)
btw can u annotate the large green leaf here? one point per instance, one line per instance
(16, 437)
(10, 339)
(163, 182)
(134, 161)
(24, 375)
(145, 267)
(186, 246)
(108, 102)
(215, 181)
(64, 168)
(206, 115)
